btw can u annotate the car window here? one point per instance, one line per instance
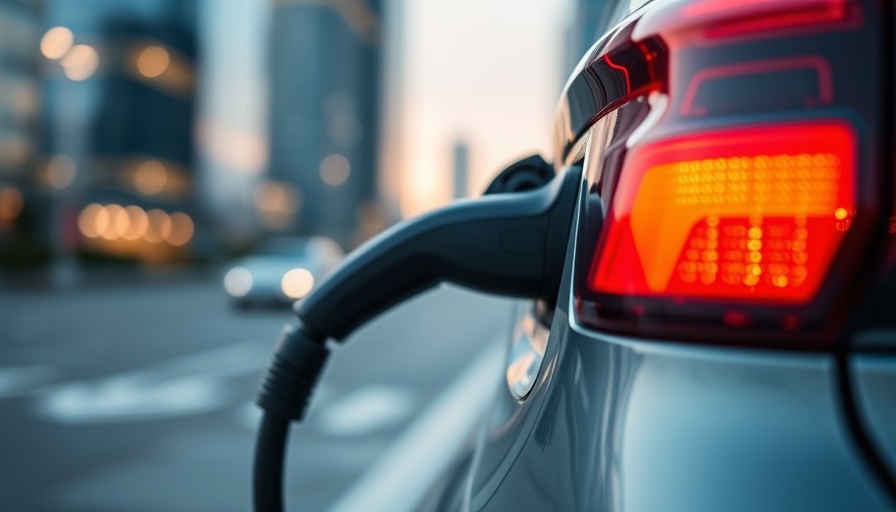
(278, 247)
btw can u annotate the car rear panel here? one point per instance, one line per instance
(631, 426)
(874, 384)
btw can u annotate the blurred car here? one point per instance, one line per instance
(281, 271)
(725, 333)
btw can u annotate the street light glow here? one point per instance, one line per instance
(11, 203)
(61, 171)
(334, 169)
(159, 226)
(93, 220)
(117, 224)
(139, 223)
(181, 229)
(274, 197)
(153, 61)
(56, 42)
(80, 62)
(151, 177)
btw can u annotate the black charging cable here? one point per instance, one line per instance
(506, 244)
(284, 394)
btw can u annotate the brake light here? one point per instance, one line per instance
(752, 213)
(736, 180)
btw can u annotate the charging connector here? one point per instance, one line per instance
(506, 244)
(510, 244)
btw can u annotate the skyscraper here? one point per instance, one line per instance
(324, 75)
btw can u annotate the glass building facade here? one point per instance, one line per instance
(19, 129)
(324, 94)
(118, 116)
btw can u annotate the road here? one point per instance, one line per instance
(137, 397)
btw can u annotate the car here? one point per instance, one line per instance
(725, 331)
(281, 271)
(715, 329)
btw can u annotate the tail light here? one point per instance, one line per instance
(755, 214)
(737, 159)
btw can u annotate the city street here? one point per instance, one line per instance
(137, 397)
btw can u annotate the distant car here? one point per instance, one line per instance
(281, 271)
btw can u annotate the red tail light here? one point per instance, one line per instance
(751, 213)
(745, 193)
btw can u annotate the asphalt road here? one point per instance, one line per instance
(137, 397)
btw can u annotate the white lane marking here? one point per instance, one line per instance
(183, 386)
(23, 379)
(365, 410)
(400, 478)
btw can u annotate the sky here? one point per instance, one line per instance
(232, 113)
(486, 73)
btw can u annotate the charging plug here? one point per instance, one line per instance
(509, 244)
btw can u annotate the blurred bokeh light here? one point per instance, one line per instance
(56, 42)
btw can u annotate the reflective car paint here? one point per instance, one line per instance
(874, 376)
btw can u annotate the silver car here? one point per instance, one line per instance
(281, 271)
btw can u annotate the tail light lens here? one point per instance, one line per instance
(744, 209)
(755, 214)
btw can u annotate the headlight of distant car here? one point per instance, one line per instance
(238, 281)
(297, 283)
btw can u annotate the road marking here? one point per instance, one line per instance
(20, 380)
(400, 478)
(365, 411)
(187, 385)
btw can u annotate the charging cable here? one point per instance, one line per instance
(511, 244)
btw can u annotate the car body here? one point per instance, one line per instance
(281, 271)
(757, 372)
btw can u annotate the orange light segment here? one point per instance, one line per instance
(753, 213)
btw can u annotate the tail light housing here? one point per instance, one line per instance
(735, 173)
